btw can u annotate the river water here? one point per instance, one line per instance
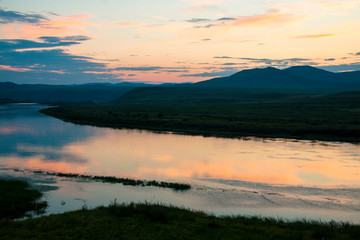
(268, 177)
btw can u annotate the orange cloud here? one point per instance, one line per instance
(271, 17)
(316, 35)
(14, 69)
(12, 130)
(60, 26)
(56, 71)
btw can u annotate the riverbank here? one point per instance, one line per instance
(153, 221)
(292, 119)
(18, 199)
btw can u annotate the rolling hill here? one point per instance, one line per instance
(298, 77)
(43, 93)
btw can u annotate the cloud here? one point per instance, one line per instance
(342, 67)
(222, 57)
(315, 35)
(210, 74)
(57, 26)
(46, 42)
(15, 16)
(68, 38)
(150, 69)
(226, 19)
(14, 69)
(206, 26)
(23, 61)
(268, 62)
(196, 20)
(175, 70)
(230, 64)
(45, 60)
(140, 69)
(330, 59)
(271, 17)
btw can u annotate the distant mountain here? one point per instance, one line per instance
(250, 85)
(305, 77)
(63, 93)
(309, 72)
(6, 101)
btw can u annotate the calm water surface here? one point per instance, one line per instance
(273, 177)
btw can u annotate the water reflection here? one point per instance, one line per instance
(32, 140)
(255, 176)
(36, 141)
(146, 154)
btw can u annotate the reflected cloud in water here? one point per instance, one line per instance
(36, 141)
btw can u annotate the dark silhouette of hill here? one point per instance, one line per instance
(64, 93)
(213, 95)
(305, 77)
(308, 72)
(6, 101)
(191, 94)
(250, 85)
(256, 78)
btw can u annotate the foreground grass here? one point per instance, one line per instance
(147, 221)
(17, 200)
(334, 118)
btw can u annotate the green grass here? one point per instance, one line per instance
(18, 200)
(149, 221)
(333, 118)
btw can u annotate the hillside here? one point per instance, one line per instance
(197, 95)
(299, 77)
(63, 93)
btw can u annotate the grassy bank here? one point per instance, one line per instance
(145, 221)
(334, 118)
(18, 200)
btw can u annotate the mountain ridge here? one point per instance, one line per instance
(292, 77)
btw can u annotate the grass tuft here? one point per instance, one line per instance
(18, 200)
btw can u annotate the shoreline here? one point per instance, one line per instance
(156, 221)
(52, 112)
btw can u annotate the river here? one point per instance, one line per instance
(290, 179)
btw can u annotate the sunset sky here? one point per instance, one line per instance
(78, 41)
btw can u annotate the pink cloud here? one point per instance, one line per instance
(274, 17)
(56, 71)
(14, 69)
(316, 35)
(271, 17)
(60, 26)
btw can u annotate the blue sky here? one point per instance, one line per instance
(70, 42)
